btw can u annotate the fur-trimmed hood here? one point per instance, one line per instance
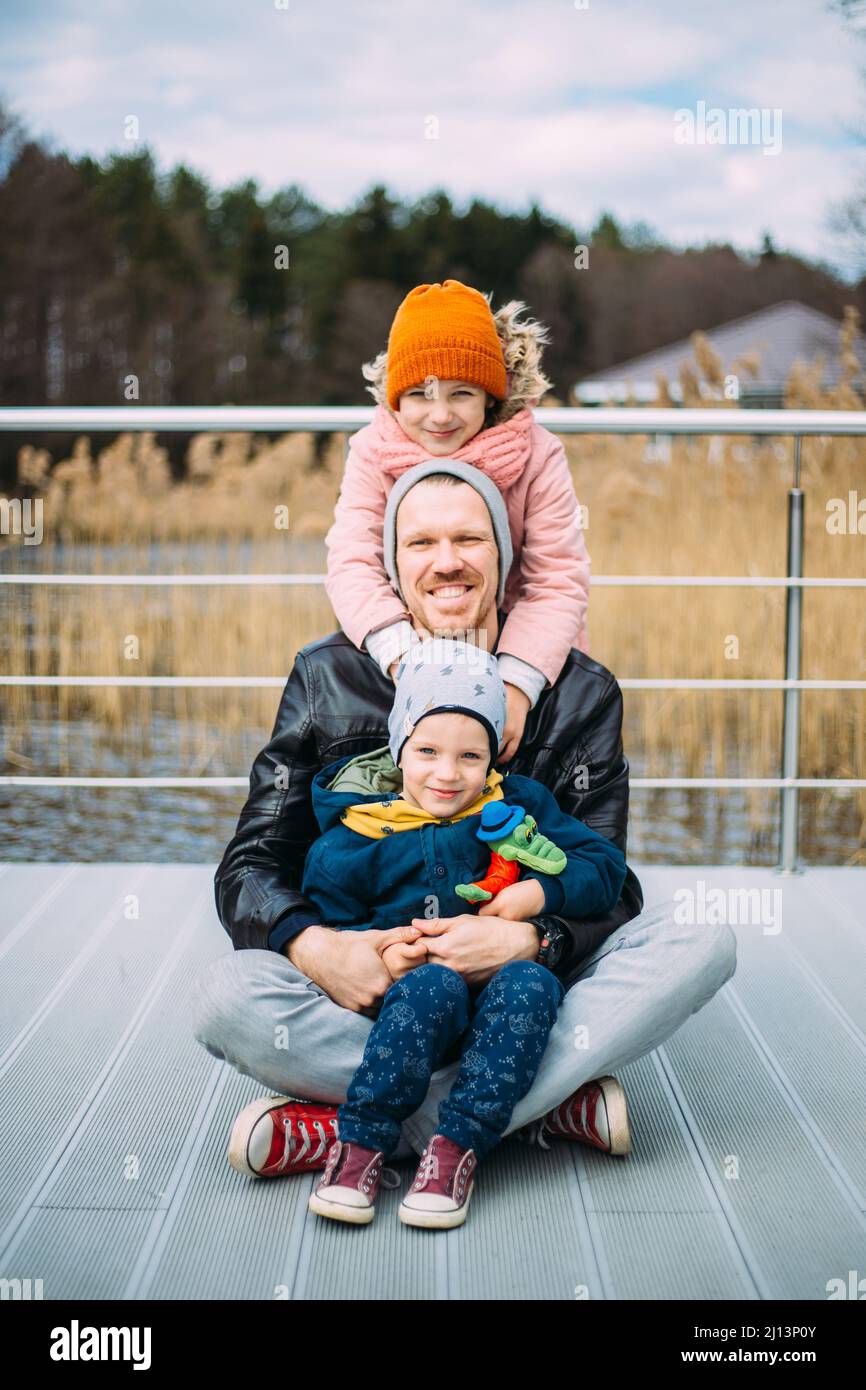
(522, 343)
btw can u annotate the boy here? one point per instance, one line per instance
(428, 822)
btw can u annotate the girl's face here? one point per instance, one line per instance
(443, 415)
(447, 753)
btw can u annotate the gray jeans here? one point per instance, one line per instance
(255, 1010)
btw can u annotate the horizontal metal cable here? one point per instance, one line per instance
(340, 418)
(278, 682)
(658, 581)
(768, 783)
(162, 579)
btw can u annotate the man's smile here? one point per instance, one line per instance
(451, 590)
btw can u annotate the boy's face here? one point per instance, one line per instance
(448, 753)
(443, 415)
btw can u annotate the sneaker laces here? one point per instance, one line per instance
(307, 1144)
(389, 1177)
(428, 1168)
(533, 1133)
(289, 1141)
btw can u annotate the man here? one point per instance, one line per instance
(291, 1005)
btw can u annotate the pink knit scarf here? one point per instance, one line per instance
(501, 452)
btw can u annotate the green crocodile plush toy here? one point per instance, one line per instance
(514, 840)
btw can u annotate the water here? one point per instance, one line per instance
(169, 825)
(244, 555)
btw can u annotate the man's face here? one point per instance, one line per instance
(444, 415)
(446, 557)
(444, 763)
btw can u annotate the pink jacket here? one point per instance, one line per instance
(547, 590)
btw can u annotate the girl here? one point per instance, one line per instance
(458, 381)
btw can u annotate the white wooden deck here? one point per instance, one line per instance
(115, 1122)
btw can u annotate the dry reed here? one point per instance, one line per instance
(718, 506)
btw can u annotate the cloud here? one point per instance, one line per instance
(571, 107)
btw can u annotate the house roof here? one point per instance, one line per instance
(781, 334)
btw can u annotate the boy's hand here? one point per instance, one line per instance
(402, 956)
(518, 902)
(517, 708)
(392, 670)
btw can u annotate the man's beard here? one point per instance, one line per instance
(475, 636)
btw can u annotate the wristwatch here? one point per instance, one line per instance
(551, 940)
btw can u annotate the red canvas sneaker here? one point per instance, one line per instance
(348, 1188)
(440, 1192)
(276, 1135)
(595, 1114)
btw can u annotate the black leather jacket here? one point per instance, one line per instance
(336, 703)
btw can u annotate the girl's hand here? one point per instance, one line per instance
(518, 902)
(392, 670)
(517, 708)
(402, 956)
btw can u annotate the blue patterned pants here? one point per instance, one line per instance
(430, 1017)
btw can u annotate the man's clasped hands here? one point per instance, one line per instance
(357, 968)
(454, 941)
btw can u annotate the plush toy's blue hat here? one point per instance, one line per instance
(498, 819)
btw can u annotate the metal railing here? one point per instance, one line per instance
(798, 424)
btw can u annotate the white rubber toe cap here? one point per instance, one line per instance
(343, 1196)
(429, 1201)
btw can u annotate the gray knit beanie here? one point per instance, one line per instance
(467, 473)
(443, 675)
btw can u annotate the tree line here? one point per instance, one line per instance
(120, 283)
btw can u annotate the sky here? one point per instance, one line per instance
(571, 103)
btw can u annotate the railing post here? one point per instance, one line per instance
(789, 796)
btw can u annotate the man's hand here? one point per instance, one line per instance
(476, 949)
(516, 902)
(517, 708)
(348, 965)
(401, 957)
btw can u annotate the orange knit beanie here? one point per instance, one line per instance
(446, 331)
